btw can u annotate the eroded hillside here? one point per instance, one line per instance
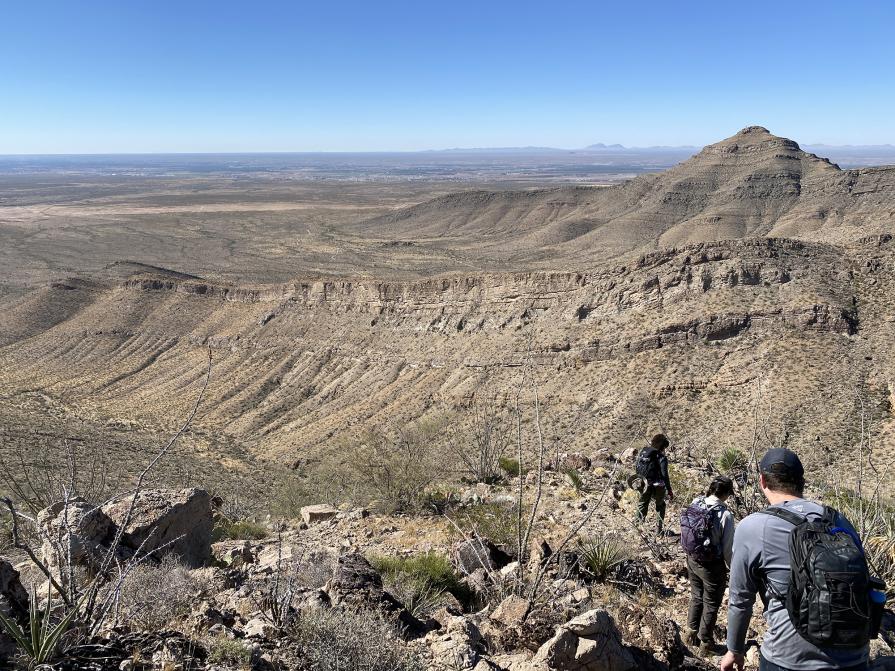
(748, 294)
(705, 341)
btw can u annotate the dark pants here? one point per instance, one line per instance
(765, 665)
(707, 583)
(652, 493)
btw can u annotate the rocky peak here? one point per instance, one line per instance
(754, 139)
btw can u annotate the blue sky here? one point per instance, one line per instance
(135, 76)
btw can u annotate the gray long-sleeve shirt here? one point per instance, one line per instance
(761, 553)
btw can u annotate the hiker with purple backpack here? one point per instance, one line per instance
(707, 539)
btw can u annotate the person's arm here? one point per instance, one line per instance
(727, 532)
(745, 561)
(663, 465)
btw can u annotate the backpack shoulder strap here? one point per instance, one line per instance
(775, 511)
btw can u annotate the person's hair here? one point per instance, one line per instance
(721, 486)
(659, 442)
(779, 478)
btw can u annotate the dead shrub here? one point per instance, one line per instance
(155, 595)
(335, 640)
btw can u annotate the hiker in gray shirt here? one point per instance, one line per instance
(761, 565)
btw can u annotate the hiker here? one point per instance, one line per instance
(707, 539)
(652, 467)
(806, 563)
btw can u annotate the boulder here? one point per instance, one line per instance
(171, 522)
(75, 531)
(357, 585)
(589, 642)
(320, 512)
(573, 460)
(511, 611)
(13, 604)
(473, 554)
(457, 647)
(259, 627)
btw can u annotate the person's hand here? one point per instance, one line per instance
(670, 497)
(733, 660)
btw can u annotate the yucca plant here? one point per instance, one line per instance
(732, 461)
(42, 643)
(575, 480)
(600, 554)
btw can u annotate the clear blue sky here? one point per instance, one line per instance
(159, 76)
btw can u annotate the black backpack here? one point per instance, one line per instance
(648, 465)
(828, 599)
(697, 523)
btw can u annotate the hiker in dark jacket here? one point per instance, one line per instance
(707, 565)
(762, 564)
(652, 467)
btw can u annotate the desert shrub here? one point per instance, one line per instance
(731, 462)
(395, 470)
(39, 477)
(295, 491)
(599, 555)
(156, 594)
(421, 580)
(392, 470)
(335, 640)
(313, 568)
(684, 485)
(874, 519)
(223, 650)
(241, 530)
(509, 466)
(494, 521)
(479, 441)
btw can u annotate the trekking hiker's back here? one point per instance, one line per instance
(707, 539)
(652, 468)
(814, 622)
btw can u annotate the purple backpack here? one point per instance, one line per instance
(697, 523)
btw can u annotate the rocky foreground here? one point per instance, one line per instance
(347, 588)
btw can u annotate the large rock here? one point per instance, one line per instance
(357, 585)
(170, 522)
(473, 554)
(318, 513)
(589, 642)
(457, 647)
(511, 611)
(76, 532)
(13, 603)
(573, 460)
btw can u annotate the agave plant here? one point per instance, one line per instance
(42, 643)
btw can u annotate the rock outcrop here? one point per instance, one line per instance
(162, 522)
(589, 642)
(167, 522)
